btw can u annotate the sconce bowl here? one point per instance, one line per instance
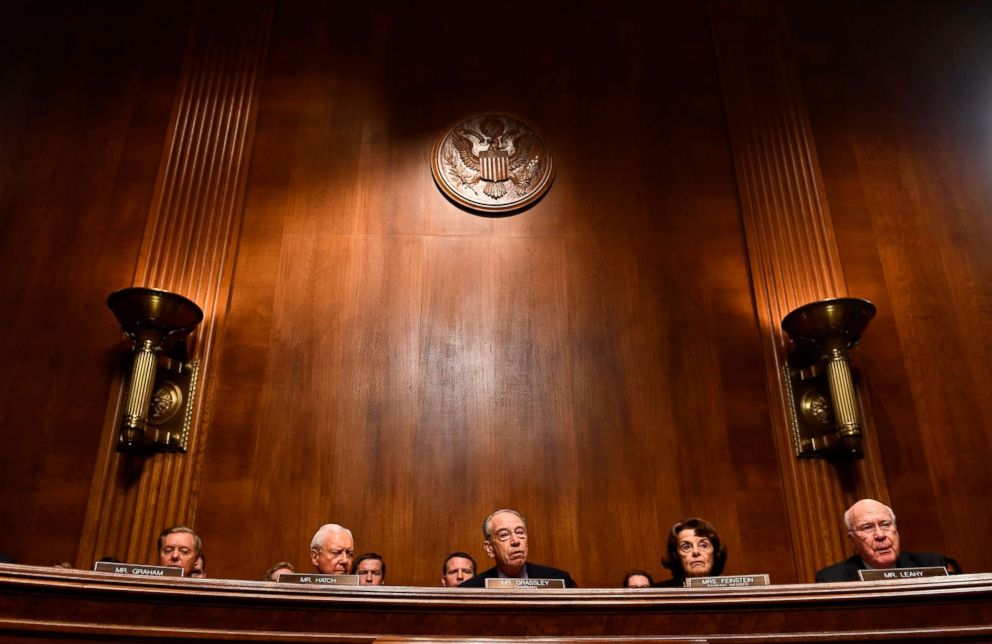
(153, 314)
(832, 323)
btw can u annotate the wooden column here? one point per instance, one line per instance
(189, 246)
(792, 252)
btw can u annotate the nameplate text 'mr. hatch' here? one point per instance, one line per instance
(318, 579)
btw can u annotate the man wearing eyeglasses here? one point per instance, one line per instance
(871, 529)
(505, 541)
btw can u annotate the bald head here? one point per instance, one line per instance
(866, 505)
(871, 530)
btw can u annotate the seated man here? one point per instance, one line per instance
(179, 547)
(332, 549)
(505, 541)
(871, 530)
(637, 579)
(458, 567)
(371, 570)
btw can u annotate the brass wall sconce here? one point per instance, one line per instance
(162, 385)
(826, 418)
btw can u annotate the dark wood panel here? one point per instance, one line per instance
(904, 143)
(78, 604)
(403, 367)
(188, 247)
(83, 112)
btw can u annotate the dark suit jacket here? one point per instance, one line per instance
(534, 571)
(847, 570)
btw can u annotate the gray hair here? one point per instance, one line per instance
(197, 542)
(317, 543)
(487, 524)
(847, 513)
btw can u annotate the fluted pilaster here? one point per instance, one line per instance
(792, 250)
(189, 246)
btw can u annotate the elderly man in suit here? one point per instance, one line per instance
(872, 532)
(505, 541)
(332, 549)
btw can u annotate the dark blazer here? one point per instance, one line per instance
(534, 571)
(847, 570)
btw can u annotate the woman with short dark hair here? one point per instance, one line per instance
(694, 550)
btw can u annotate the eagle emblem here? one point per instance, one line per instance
(492, 163)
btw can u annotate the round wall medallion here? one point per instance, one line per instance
(492, 163)
(816, 408)
(166, 403)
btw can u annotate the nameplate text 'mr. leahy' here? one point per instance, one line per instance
(318, 579)
(734, 581)
(137, 569)
(879, 574)
(503, 582)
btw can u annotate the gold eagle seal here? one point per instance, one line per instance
(492, 163)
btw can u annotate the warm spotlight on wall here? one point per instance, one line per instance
(162, 385)
(826, 418)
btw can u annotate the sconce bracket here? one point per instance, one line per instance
(170, 414)
(161, 387)
(819, 381)
(811, 412)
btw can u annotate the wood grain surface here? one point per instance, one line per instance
(386, 360)
(403, 367)
(901, 118)
(42, 604)
(84, 106)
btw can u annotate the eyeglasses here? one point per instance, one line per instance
(504, 535)
(865, 529)
(702, 546)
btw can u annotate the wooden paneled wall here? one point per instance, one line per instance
(404, 367)
(85, 94)
(398, 365)
(188, 247)
(792, 252)
(901, 114)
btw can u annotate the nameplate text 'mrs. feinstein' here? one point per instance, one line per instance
(727, 581)
(502, 582)
(878, 574)
(137, 569)
(318, 579)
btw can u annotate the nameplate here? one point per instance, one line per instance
(736, 581)
(902, 573)
(137, 570)
(320, 580)
(500, 582)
